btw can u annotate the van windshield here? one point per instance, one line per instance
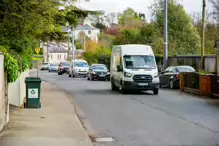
(139, 62)
(81, 64)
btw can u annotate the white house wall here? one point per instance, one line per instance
(94, 34)
(17, 90)
(57, 57)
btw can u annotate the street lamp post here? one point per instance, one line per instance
(73, 44)
(217, 56)
(165, 58)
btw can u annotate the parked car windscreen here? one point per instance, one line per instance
(185, 69)
(139, 62)
(81, 64)
(54, 64)
(66, 63)
(99, 67)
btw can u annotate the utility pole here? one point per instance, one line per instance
(165, 58)
(73, 44)
(203, 34)
(84, 42)
(217, 57)
(69, 40)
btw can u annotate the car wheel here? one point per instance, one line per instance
(69, 75)
(155, 91)
(88, 78)
(171, 84)
(92, 79)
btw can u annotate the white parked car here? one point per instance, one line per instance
(78, 68)
(45, 66)
(133, 67)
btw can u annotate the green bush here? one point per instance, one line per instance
(11, 67)
(100, 55)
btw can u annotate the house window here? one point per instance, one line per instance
(89, 31)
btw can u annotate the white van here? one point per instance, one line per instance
(133, 67)
(78, 67)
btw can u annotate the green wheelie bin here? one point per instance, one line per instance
(33, 91)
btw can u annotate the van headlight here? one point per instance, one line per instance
(126, 74)
(93, 73)
(156, 76)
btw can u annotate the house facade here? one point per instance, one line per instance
(88, 30)
(58, 56)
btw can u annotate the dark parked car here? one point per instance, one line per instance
(98, 71)
(170, 76)
(63, 68)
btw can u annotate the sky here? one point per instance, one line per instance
(138, 5)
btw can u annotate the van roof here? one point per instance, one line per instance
(132, 45)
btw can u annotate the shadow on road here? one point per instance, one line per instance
(109, 92)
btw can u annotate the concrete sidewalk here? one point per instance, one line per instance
(55, 124)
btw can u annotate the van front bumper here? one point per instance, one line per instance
(128, 85)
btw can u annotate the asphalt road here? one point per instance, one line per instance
(170, 118)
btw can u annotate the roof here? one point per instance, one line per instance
(86, 27)
(59, 51)
(54, 47)
(66, 29)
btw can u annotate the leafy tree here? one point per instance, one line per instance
(111, 17)
(101, 26)
(126, 36)
(215, 4)
(91, 45)
(127, 16)
(183, 36)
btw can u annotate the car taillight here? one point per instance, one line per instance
(177, 76)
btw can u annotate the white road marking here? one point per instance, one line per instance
(104, 139)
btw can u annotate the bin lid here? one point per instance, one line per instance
(32, 79)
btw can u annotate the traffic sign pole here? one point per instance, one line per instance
(37, 50)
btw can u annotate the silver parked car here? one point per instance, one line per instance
(45, 66)
(53, 67)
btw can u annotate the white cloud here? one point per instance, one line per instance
(138, 5)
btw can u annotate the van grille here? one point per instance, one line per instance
(142, 78)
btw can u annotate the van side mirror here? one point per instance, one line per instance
(119, 68)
